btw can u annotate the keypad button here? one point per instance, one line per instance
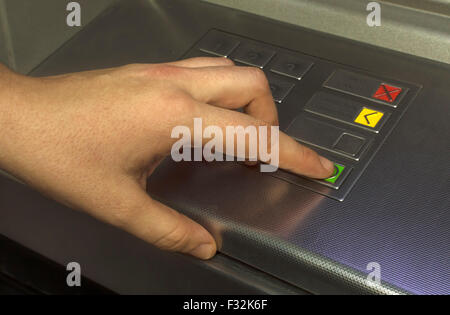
(280, 88)
(253, 55)
(387, 93)
(338, 177)
(349, 144)
(369, 117)
(291, 66)
(219, 44)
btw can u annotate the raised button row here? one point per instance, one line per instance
(347, 111)
(366, 87)
(310, 130)
(284, 64)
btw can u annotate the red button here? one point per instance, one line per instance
(387, 93)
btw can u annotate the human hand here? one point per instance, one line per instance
(90, 140)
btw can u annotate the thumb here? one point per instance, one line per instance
(162, 226)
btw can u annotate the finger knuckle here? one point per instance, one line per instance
(258, 75)
(132, 70)
(175, 239)
(164, 71)
(308, 154)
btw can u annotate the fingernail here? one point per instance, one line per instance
(327, 164)
(204, 251)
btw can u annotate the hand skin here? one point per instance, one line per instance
(90, 140)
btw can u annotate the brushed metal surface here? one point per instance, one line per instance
(416, 27)
(115, 259)
(35, 29)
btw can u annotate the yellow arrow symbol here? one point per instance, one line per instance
(369, 117)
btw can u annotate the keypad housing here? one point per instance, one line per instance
(320, 104)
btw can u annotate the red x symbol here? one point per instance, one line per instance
(387, 93)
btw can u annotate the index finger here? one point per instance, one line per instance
(293, 156)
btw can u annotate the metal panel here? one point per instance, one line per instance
(37, 28)
(416, 27)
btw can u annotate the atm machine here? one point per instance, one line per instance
(378, 108)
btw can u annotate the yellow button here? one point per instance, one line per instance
(369, 117)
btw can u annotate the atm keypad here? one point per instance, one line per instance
(343, 113)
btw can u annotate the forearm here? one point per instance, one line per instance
(10, 102)
(4, 100)
(5, 86)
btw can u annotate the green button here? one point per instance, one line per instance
(338, 169)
